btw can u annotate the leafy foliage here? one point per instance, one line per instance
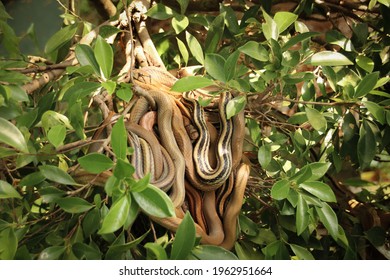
(317, 119)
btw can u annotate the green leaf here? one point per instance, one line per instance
(76, 117)
(74, 204)
(336, 38)
(95, 163)
(320, 190)
(123, 169)
(191, 83)
(329, 219)
(297, 39)
(86, 252)
(104, 56)
(160, 12)
(8, 244)
(270, 28)
(180, 23)
(284, 20)
(11, 135)
(316, 119)
(183, 50)
(214, 65)
(366, 84)
(215, 33)
(376, 110)
(318, 170)
(86, 57)
(119, 139)
(60, 38)
(235, 106)
(328, 58)
(365, 63)
(230, 65)
(280, 189)
(116, 250)
(301, 252)
(32, 179)
(349, 127)
(264, 155)
(80, 90)
(91, 222)
(51, 253)
(302, 215)
(56, 135)
(8, 191)
(125, 92)
(210, 252)
(116, 216)
(154, 202)
(141, 184)
(254, 50)
(51, 118)
(184, 239)
(110, 86)
(157, 250)
(231, 20)
(183, 5)
(55, 174)
(195, 47)
(366, 145)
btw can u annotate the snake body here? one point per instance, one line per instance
(201, 170)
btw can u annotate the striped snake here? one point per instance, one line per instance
(213, 192)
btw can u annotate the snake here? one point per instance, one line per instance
(171, 152)
(212, 176)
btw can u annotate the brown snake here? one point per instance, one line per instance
(215, 209)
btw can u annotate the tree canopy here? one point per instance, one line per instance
(309, 78)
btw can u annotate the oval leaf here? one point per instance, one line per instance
(8, 191)
(329, 58)
(320, 190)
(365, 63)
(116, 216)
(366, 84)
(119, 139)
(280, 190)
(51, 253)
(184, 239)
(210, 252)
(154, 202)
(104, 56)
(8, 244)
(56, 135)
(195, 47)
(316, 119)
(55, 174)
(302, 215)
(301, 252)
(179, 23)
(264, 155)
(329, 219)
(284, 20)
(366, 145)
(74, 204)
(214, 64)
(254, 50)
(86, 57)
(235, 105)
(191, 83)
(376, 110)
(95, 163)
(11, 135)
(60, 38)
